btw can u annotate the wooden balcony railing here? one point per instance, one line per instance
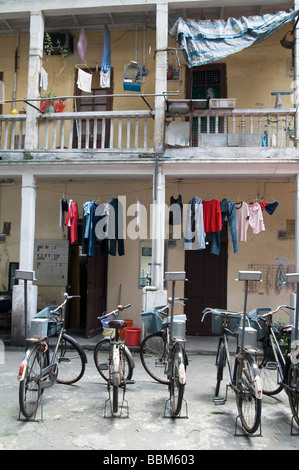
(232, 128)
(107, 131)
(12, 131)
(133, 131)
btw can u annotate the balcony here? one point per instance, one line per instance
(106, 131)
(132, 132)
(190, 126)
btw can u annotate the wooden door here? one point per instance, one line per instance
(96, 291)
(206, 285)
(99, 99)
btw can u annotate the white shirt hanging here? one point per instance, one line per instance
(84, 81)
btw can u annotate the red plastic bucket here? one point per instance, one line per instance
(129, 324)
(132, 336)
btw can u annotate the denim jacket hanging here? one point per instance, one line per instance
(194, 238)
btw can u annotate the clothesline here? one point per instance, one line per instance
(110, 232)
(208, 216)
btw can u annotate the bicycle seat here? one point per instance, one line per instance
(117, 324)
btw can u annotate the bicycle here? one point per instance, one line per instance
(162, 352)
(271, 356)
(279, 369)
(51, 356)
(244, 376)
(114, 361)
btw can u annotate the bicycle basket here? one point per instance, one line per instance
(233, 322)
(152, 319)
(53, 326)
(258, 324)
(179, 326)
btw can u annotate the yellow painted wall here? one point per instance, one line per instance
(260, 249)
(252, 74)
(123, 271)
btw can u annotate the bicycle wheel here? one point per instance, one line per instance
(178, 379)
(30, 391)
(102, 353)
(115, 399)
(220, 366)
(249, 406)
(269, 370)
(292, 375)
(70, 361)
(153, 355)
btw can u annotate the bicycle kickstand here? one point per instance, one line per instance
(124, 406)
(171, 415)
(221, 400)
(294, 424)
(244, 432)
(33, 419)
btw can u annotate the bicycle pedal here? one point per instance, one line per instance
(219, 401)
(130, 382)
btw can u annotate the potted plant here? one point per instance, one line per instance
(51, 104)
(48, 104)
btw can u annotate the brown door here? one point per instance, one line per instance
(98, 100)
(206, 285)
(96, 291)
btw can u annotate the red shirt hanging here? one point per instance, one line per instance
(212, 220)
(72, 221)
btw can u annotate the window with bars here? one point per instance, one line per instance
(206, 82)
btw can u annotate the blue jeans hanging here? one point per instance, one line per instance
(228, 209)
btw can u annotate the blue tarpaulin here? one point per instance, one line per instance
(206, 41)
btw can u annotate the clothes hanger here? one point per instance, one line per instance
(83, 65)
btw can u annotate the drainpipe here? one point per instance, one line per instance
(16, 68)
(144, 291)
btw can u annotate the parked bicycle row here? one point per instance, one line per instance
(261, 365)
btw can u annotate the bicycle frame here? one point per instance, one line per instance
(41, 369)
(176, 368)
(116, 377)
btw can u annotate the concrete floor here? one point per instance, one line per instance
(73, 416)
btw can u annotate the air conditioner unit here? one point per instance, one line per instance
(66, 42)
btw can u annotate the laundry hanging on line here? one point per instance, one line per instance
(72, 220)
(103, 223)
(208, 217)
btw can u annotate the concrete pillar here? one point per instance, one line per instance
(158, 232)
(161, 73)
(26, 263)
(297, 223)
(34, 69)
(296, 74)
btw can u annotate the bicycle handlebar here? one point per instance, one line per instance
(218, 311)
(119, 308)
(176, 299)
(67, 297)
(267, 314)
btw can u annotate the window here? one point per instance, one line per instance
(205, 82)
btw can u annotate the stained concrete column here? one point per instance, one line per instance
(161, 74)
(296, 74)
(158, 231)
(26, 260)
(297, 223)
(34, 69)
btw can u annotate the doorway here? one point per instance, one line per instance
(206, 285)
(206, 82)
(99, 99)
(88, 278)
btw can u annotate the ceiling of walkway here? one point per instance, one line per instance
(65, 21)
